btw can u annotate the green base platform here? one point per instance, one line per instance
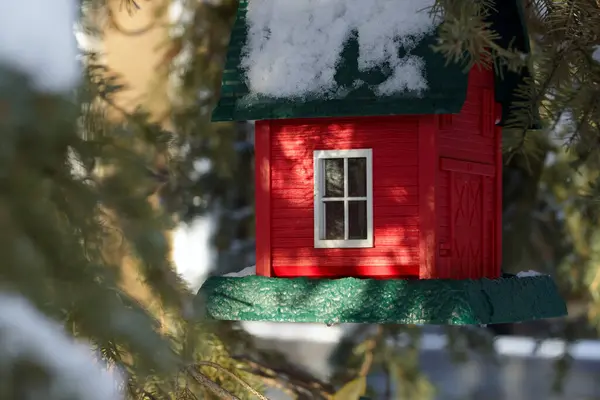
(330, 301)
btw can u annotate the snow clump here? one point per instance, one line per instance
(294, 47)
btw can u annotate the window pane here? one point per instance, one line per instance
(334, 220)
(357, 220)
(334, 177)
(357, 177)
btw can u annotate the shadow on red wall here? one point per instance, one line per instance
(394, 142)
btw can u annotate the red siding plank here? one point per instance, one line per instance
(380, 241)
(498, 195)
(296, 218)
(445, 121)
(286, 257)
(391, 179)
(467, 142)
(385, 235)
(448, 164)
(289, 142)
(443, 262)
(362, 271)
(378, 212)
(468, 138)
(482, 269)
(344, 124)
(470, 159)
(453, 152)
(396, 211)
(428, 156)
(384, 155)
(480, 76)
(488, 106)
(399, 192)
(289, 225)
(379, 202)
(262, 146)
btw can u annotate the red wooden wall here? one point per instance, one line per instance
(394, 141)
(469, 186)
(436, 193)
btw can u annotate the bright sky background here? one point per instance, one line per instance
(36, 37)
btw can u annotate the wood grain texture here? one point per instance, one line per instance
(262, 166)
(498, 194)
(428, 157)
(394, 141)
(469, 186)
(468, 137)
(436, 193)
(356, 271)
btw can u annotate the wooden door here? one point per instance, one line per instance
(471, 194)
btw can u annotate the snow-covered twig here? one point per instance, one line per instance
(294, 47)
(26, 335)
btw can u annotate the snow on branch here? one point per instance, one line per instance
(294, 47)
(596, 53)
(27, 336)
(528, 274)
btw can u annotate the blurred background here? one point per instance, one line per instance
(136, 125)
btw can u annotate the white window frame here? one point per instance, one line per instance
(319, 182)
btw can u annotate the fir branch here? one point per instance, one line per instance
(465, 35)
(534, 102)
(232, 375)
(297, 381)
(206, 382)
(369, 353)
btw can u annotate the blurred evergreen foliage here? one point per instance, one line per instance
(85, 242)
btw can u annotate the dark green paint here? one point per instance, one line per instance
(351, 300)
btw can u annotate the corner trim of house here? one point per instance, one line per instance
(498, 199)
(262, 198)
(428, 162)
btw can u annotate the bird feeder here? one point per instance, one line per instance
(378, 169)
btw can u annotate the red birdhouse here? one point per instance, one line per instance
(407, 196)
(375, 159)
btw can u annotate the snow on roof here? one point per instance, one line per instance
(294, 47)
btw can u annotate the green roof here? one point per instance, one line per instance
(445, 94)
